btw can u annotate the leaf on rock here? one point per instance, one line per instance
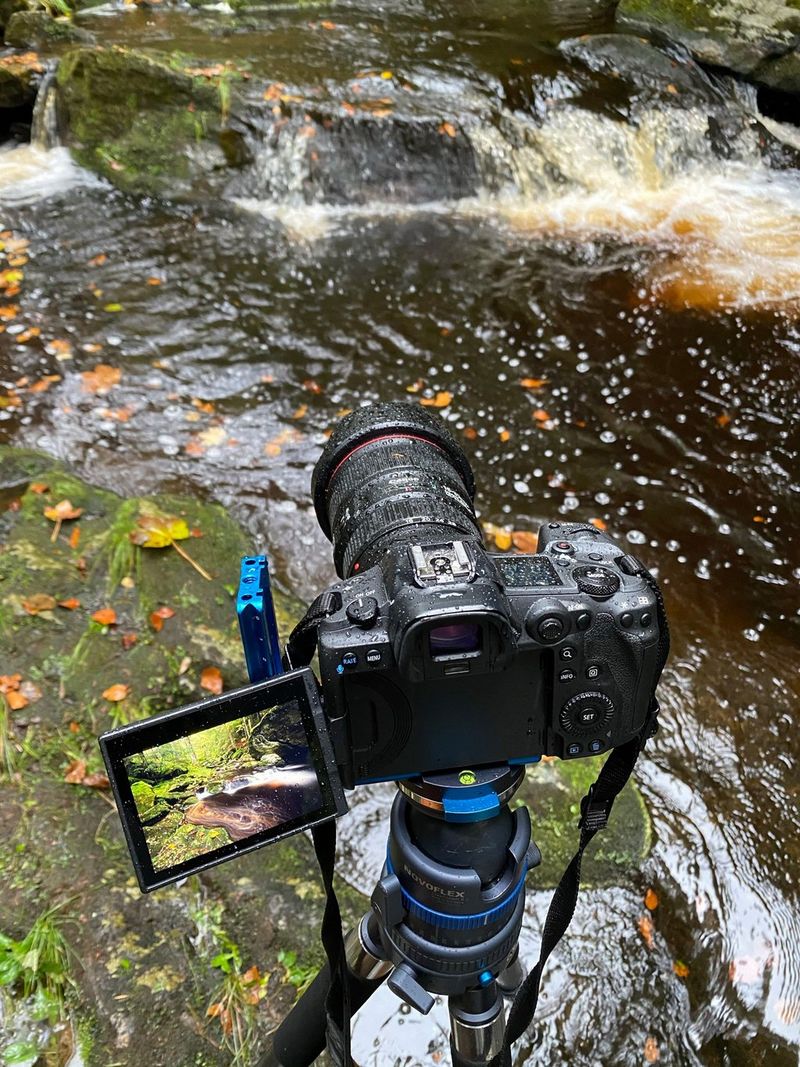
(680, 969)
(70, 603)
(62, 511)
(651, 900)
(9, 682)
(76, 772)
(211, 679)
(16, 700)
(117, 692)
(96, 780)
(158, 531)
(105, 616)
(39, 602)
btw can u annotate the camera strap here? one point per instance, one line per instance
(337, 1003)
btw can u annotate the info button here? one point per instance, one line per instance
(373, 656)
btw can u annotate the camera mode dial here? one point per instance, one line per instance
(586, 713)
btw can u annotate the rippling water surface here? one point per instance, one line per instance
(651, 283)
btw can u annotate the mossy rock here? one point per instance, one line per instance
(782, 74)
(19, 79)
(36, 29)
(144, 123)
(552, 791)
(143, 965)
(737, 34)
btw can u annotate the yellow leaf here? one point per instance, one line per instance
(503, 540)
(158, 531)
(62, 510)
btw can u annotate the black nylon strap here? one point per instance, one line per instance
(338, 1002)
(595, 809)
(302, 641)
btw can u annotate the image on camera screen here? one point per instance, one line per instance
(201, 792)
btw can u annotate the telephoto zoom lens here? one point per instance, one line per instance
(391, 474)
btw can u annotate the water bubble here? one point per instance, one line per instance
(752, 635)
(723, 528)
(522, 487)
(702, 569)
(608, 437)
(636, 537)
(602, 498)
(672, 546)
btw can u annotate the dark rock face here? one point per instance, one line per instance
(19, 80)
(746, 36)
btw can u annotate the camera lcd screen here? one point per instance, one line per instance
(530, 572)
(210, 781)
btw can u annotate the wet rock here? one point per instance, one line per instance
(146, 124)
(739, 35)
(143, 965)
(782, 74)
(20, 75)
(36, 29)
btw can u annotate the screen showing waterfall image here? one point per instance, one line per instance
(198, 793)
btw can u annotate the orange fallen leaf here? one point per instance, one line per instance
(101, 379)
(471, 433)
(70, 603)
(504, 435)
(75, 772)
(156, 622)
(600, 524)
(723, 419)
(38, 487)
(252, 974)
(16, 700)
(645, 925)
(98, 260)
(442, 399)
(116, 692)
(74, 537)
(651, 900)
(39, 602)
(416, 386)
(62, 511)
(9, 311)
(128, 640)
(211, 679)
(533, 383)
(9, 682)
(540, 415)
(525, 541)
(164, 612)
(448, 129)
(153, 281)
(651, 1050)
(301, 412)
(59, 348)
(96, 780)
(105, 616)
(326, 24)
(680, 969)
(27, 335)
(43, 384)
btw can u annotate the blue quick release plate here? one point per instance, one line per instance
(257, 623)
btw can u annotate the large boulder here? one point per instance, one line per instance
(745, 36)
(149, 125)
(38, 29)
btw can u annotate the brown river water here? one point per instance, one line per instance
(602, 243)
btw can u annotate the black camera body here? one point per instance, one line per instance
(444, 655)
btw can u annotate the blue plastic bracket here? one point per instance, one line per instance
(257, 623)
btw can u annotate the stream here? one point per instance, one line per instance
(580, 229)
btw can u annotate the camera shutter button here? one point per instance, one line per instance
(363, 611)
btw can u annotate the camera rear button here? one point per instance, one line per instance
(567, 675)
(373, 655)
(567, 652)
(595, 746)
(349, 659)
(574, 749)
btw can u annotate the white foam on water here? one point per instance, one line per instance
(29, 174)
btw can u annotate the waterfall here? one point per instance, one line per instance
(44, 126)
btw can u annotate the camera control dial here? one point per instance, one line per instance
(599, 582)
(586, 713)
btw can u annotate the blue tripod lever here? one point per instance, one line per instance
(257, 623)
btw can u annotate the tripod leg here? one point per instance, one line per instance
(301, 1036)
(477, 1025)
